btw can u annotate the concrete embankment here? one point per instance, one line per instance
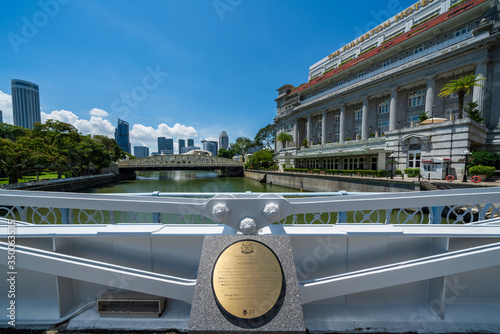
(315, 182)
(72, 184)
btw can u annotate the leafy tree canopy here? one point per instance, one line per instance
(265, 136)
(263, 158)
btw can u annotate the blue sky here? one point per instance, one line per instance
(179, 69)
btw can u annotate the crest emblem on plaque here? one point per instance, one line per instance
(246, 248)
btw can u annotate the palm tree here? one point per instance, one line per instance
(284, 138)
(461, 86)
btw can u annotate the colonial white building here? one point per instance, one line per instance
(362, 102)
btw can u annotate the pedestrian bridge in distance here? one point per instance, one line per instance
(183, 162)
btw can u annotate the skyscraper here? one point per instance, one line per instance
(141, 151)
(182, 144)
(190, 142)
(162, 144)
(223, 140)
(210, 146)
(1, 117)
(25, 103)
(122, 136)
(165, 145)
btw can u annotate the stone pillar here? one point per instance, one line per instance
(323, 129)
(381, 161)
(342, 124)
(392, 109)
(478, 92)
(308, 130)
(296, 133)
(364, 120)
(429, 96)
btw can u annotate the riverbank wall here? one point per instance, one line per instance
(326, 183)
(72, 184)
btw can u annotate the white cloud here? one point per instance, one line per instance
(98, 112)
(60, 115)
(141, 135)
(210, 138)
(6, 107)
(94, 126)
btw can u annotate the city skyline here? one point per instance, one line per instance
(164, 74)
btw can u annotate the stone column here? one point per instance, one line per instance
(308, 130)
(392, 109)
(429, 96)
(323, 129)
(364, 120)
(342, 124)
(296, 133)
(478, 92)
(381, 161)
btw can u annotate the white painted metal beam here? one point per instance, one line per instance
(100, 273)
(401, 273)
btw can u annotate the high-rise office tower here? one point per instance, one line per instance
(182, 144)
(122, 136)
(162, 144)
(1, 117)
(190, 142)
(223, 140)
(165, 145)
(210, 146)
(141, 151)
(25, 103)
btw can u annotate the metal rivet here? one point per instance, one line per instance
(272, 211)
(220, 211)
(248, 226)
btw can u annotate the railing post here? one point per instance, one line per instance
(388, 214)
(435, 214)
(156, 218)
(342, 217)
(64, 215)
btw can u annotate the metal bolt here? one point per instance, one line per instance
(272, 211)
(248, 226)
(220, 211)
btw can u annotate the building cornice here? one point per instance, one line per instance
(393, 43)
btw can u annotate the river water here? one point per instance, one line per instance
(187, 181)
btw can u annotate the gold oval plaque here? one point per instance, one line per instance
(248, 280)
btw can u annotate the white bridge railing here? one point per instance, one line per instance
(439, 207)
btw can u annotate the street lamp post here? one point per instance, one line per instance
(392, 165)
(466, 154)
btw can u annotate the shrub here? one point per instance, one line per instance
(398, 172)
(482, 170)
(412, 172)
(482, 158)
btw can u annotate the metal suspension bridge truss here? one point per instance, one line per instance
(180, 161)
(392, 262)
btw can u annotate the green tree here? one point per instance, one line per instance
(111, 146)
(482, 158)
(12, 132)
(22, 155)
(242, 145)
(263, 158)
(61, 138)
(284, 138)
(225, 153)
(461, 86)
(474, 113)
(422, 117)
(265, 136)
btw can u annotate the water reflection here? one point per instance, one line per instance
(187, 181)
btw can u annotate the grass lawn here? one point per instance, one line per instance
(31, 177)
